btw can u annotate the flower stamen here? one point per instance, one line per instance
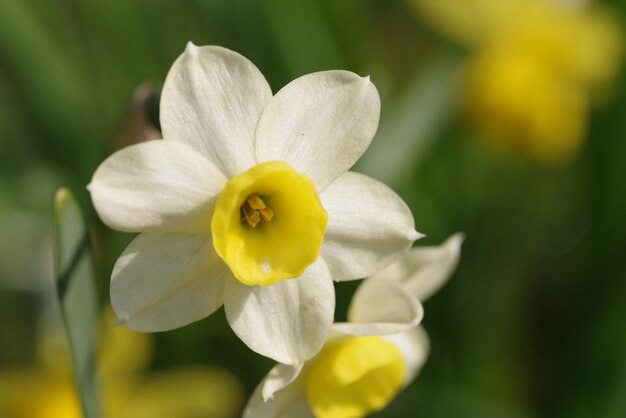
(254, 210)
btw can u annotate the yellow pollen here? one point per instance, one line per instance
(254, 210)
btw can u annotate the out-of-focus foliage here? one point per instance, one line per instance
(531, 325)
(47, 388)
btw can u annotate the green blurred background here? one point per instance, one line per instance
(533, 324)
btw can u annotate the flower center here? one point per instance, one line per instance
(353, 377)
(268, 224)
(254, 210)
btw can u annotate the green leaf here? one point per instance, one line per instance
(50, 81)
(303, 35)
(77, 295)
(409, 127)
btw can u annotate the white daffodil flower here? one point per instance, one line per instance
(368, 360)
(245, 191)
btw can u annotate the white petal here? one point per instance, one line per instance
(320, 124)
(290, 402)
(211, 100)
(369, 226)
(414, 346)
(156, 186)
(165, 281)
(424, 270)
(367, 329)
(287, 321)
(381, 307)
(280, 376)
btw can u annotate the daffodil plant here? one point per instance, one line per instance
(247, 202)
(368, 360)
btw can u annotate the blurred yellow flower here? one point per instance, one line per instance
(47, 390)
(537, 67)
